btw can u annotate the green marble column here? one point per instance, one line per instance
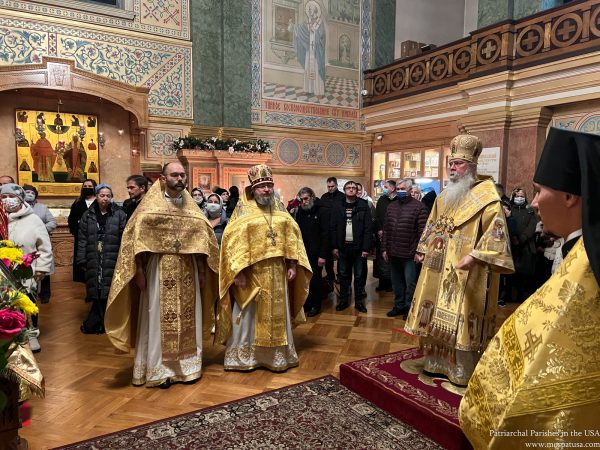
(237, 63)
(207, 60)
(384, 31)
(494, 11)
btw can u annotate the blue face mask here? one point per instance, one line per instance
(401, 194)
(385, 191)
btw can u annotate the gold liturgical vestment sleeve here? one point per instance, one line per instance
(165, 229)
(539, 379)
(259, 241)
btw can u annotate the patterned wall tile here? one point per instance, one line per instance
(335, 153)
(169, 18)
(163, 68)
(354, 153)
(313, 153)
(160, 142)
(288, 151)
(162, 13)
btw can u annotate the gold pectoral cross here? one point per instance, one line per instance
(272, 235)
(177, 245)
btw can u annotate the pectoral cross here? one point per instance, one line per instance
(272, 235)
(177, 245)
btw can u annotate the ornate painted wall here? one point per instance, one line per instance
(152, 50)
(307, 61)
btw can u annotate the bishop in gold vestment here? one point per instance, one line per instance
(465, 247)
(538, 382)
(263, 280)
(168, 243)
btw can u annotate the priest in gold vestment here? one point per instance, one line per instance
(263, 280)
(464, 249)
(165, 284)
(538, 382)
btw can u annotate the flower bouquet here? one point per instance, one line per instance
(15, 305)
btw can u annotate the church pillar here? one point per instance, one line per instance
(384, 30)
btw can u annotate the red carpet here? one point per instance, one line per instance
(394, 383)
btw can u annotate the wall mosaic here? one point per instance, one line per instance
(160, 142)
(588, 122)
(292, 152)
(163, 68)
(168, 18)
(309, 52)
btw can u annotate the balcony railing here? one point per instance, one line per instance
(551, 35)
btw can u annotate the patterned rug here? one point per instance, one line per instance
(395, 382)
(318, 414)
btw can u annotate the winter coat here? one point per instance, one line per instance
(28, 232)
(87, 250)
(78, 207)
(44, 213)
(523, 248)
(314, 225)
(362, 226)
(380, 209)
(404, 222)
(337, 198)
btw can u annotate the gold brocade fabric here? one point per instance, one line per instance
(539, 379)
(177, 301)
(247, 245)
(23, 368)
(454, 311)
(167, 229)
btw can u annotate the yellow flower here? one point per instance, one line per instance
(7, 243)
(11, 254)
(23, 303)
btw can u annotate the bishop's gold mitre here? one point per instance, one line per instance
(465, 146)
(260, 174)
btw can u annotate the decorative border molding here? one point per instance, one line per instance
(105, 20)
(538, 39)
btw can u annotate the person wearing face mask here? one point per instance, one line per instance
(381, 267)
(216, 215)
(100, 231)
(198, 197)
(523, 245)
(28, 231)
(79, 206)
(42, 211)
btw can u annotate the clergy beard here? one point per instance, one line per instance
(457, 189)
(263, 200)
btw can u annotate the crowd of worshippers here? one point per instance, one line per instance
(343, 226)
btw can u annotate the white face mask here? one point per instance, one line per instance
(213, 208)
(29, 198)
(11, 204)
(519, 201)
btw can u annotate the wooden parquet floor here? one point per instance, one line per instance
(88, 385)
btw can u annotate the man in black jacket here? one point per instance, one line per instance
(404, 222)
(137, 186)
(313, 218)
(351, 229)
(332, 197)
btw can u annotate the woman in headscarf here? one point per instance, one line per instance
(100, 231)
(198, 197)
(79, 206)
(216, 214)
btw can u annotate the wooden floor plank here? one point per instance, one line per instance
(88, 383)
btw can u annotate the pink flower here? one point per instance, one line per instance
(11, 323)
(6, 262)
(28, 259)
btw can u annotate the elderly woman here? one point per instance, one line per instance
(28, 231)
(217, 216)
(100, 231)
